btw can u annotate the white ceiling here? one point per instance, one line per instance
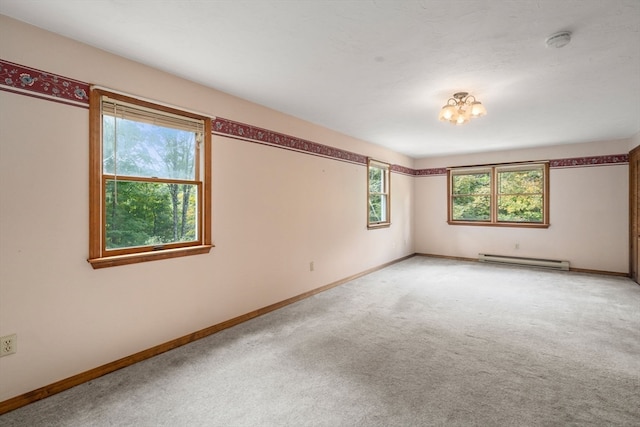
(380, 70)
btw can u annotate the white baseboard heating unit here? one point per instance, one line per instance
(530, 262)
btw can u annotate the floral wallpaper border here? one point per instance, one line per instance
(431, 172)
(253, 133)
(574, 162)
(29, 81)
(589, 161)
(20, 79)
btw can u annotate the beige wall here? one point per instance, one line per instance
(635, 141)
(274, 211)
(588, 211)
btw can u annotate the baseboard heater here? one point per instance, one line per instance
(530, 262)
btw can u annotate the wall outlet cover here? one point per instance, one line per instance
(8, 345)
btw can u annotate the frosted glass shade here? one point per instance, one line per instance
(477, 109)
(447, 113)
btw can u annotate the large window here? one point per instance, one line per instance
(149, 181)
(506, 195)
(379, 194)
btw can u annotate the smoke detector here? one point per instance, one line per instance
(558, 40)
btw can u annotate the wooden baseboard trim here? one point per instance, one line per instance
(577, 270)
(67, 383)
(602, 272)
(454, 258)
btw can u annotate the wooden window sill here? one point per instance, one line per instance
(113, 261)
(381, 225)
(500, 224)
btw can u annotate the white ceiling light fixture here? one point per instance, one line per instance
(461, 108)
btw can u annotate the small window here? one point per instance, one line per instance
(379, 194)
(508, 195)
(150, 181)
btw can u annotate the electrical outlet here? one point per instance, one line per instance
(8, 345)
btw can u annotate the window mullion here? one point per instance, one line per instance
(494, 196)
(153, 179)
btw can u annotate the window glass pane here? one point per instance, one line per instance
(520, 208)
(471, 208)
(477, 183)
(147, 213)
(521, 182)
(377, 208)
(376, 180)
(145, 150)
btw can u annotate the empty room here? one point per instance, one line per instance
(319, 213)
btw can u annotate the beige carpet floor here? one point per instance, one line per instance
(425, 342)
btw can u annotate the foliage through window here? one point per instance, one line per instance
(150, 189)
(515, 195)
(379, 194)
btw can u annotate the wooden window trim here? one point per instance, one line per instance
(98, 258)
(494, 169)
(387, 170)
